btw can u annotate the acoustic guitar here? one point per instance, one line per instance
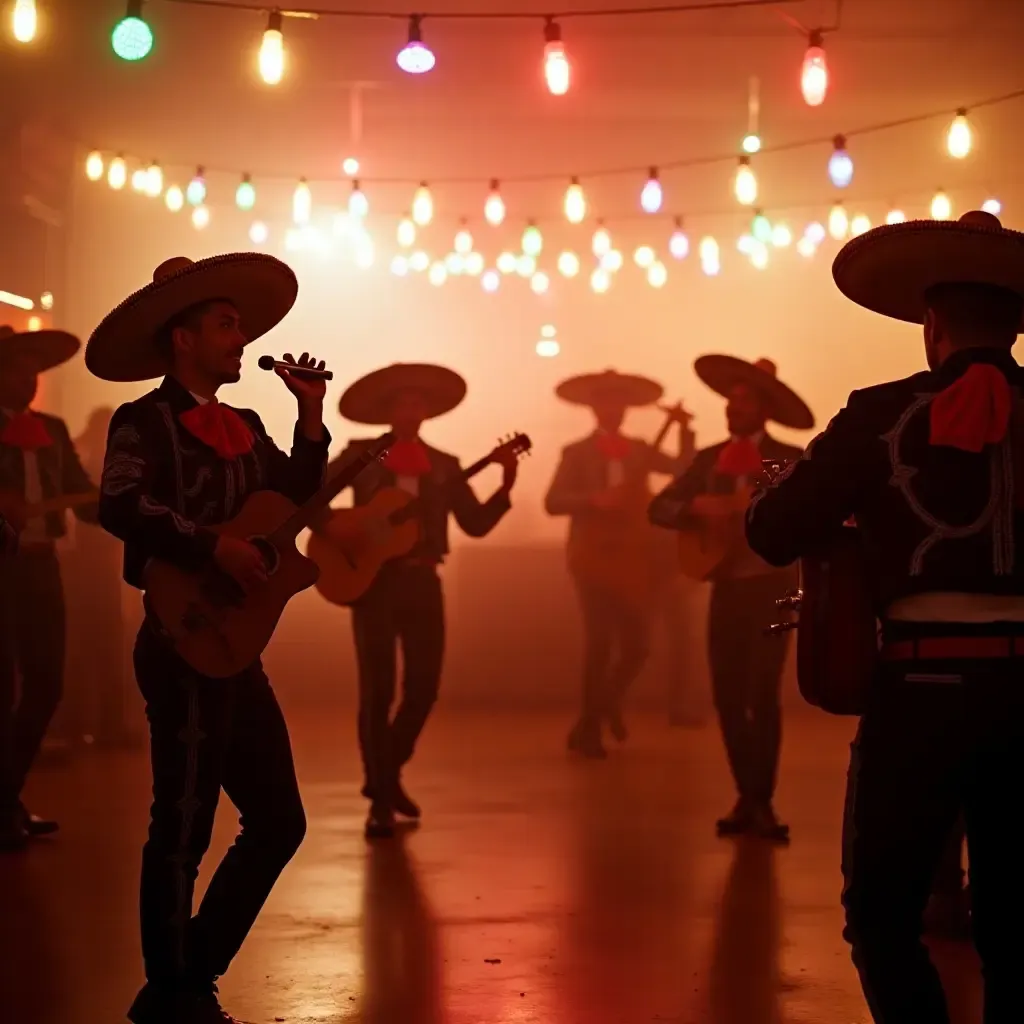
(212, 624)
(351, 548)
(712, 534)
(17, 510)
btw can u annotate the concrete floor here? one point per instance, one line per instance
(538, 891)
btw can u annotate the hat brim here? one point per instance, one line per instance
(890, 268)
(124, 346)
(46, 349)
(782, 404)
(593, 388)
(370, 399)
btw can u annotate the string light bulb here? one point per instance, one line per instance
(806, 247)
(860, 223)
(422, 206)
(600, 280)
(782, 237)
(271, 58)
(350, 166)
(575, 202)
(419, 261)
(406, 233)
(751, 143)
(840, 165)
(651, 195)
(154, 180)
(942, 208)
(710, 256)
(759, 255)
(568, 264)
(200, 217)
(174, 199)
(895, 217)
(761, 228)
(24, 20)
(415, 58)
(838, 222)
(400, 266)
(245, 194)
(506, 263)
(196, 191)
(533, 241)
(258, 233)
(644, 257)
(302, 203)
(657, 275)
(463, 240)
(437, 275)
(679, 244)
(992, 206)
(816, 232)
(490, 281)
(139, 179)
(494, 206)
(526, 266)
(117, 173)
(94, 166)
(474, 264)
(612, 261)
(557, 72)
(601, 243)
(746, 183)
(132, 38)
(959, 137)
(455, 263)
(539, 282)
(814, 71)
(358, 204)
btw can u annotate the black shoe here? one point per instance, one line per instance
(155, 1006)
(401, 803)
(738, 821)
(586, 740)
(766, 825)
(380, 824)
(36, 826)
(617, 727)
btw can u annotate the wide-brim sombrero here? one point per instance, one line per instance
(124, 346)
(592, 389)
(782, 404)
(890, 268)
(45, 349)
(370, 399)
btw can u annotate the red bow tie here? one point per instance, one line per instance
(740, 457)
(26, 431)
(220, 427)
(613, 447)
(973, 411)
(408, 458)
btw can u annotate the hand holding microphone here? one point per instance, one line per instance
(307, 380)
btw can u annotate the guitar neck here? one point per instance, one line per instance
(412, 508)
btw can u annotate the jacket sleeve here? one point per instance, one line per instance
(669, 509)
(8, 538)
(301, 474)
(128, 508)
(75, 480)
(567, 495)
(814, 495)
(673, 465)
(477, 518)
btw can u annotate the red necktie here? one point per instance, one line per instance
(220, 427)
(26, 431)
(408, 458)
(973, 411)
(613, 447)
(740, 457)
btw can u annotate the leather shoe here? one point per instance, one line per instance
(586, 740)
(36, 826)
(738, 821)
(401, 802)
(617, 727)
(153, 1006)
(766, 825)
(380, 823)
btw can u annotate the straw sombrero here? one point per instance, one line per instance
(889, 269)
(123, 348)
(46, 349)
(610, 386)
(782, 405)
(369, 399)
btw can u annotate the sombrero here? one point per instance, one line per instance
(46, 349)
(610, 386)
(123, 348)
(889, 269)
(369, 399)
(783, 405)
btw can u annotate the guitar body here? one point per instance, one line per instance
(711, 539)
(215, 628)
(351, 550)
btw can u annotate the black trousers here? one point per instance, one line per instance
(949, 876)
(938, 739)
(32, 646)
(616, 639)
(404, 608)
(746, 678)
(207, 735)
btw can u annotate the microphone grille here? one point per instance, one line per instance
(266, 362)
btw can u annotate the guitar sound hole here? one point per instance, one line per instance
(271, 557)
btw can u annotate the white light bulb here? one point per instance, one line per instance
(710, 256)
(506, 263)
(494, 207)
(942, 208)
(547, 348)
(139, 180)
(474, 264)
(959, 137)
(94, 166)
(400, 266)
(358, 204)
(302, 203)
(422, 206)
(490, 281)
(679, 244)
(406, 233)
(117, 173)
(746, 183)
(992, 206)
(463, 241)
(895, 217)
(600, 280)
(782, 237)
(759, 255)
(657, 275)
(612, 261)
(644, 256)
(816, 232)
(438, 274)
(575, 203)
(526, 266)
(539, 282)
(548, 331)
(350, 166)
(154, 181)
(838, 222)
(601, 243)
(258, 233)
(557, 72)
(454, 263)
(419, 261)
(806, 247)
(24, 20)
(650, 196)
(568, 264)
(860, 223)
(174, 198)
(271, 59)
(200, 217)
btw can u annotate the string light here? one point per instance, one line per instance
(548, 331)
(761, 227)
(302, 203)
(196, 191)
(406, 233)
(490, 281)
(132, 38)
(547, 348)
(650, 196)
(601, 242)
(568, 264)
(419, 261)
(94, 166)
(526, 266)
(895, 217)
(746, 244)
(437, 275)
(139, 180)
(46, 300)
(575, 203)
(400, 266)
(506, 263)
(533, 241)
(600, 280)
(422, 206)
(816, 232)
(612, 261)
(838, 222)
(840, 166)
(657, 275)
(35, 323)
(474, 264)
(942, 208)
(746, 183)
(679, 244)
(644, 257)
(358, 204)
(959, 136)
(494, 207)
(539, 282)
(710, 256)
(117, 173)
(860, 223)
(806, 247)
(258, 233)
(24, 20)
(782, 237)
(415, 58)
(245, 194)
(992, 206)
(200, 217)
(463, 240)
(271, 58)
(154, 183)
(557, 71)
(759, 255)
(350, 166)
(364, 251)
(454, 263)
(814, 72)
(751, 143)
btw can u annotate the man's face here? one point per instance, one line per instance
(744, 411)
(933, 336)
(213, 343)
(610, 415)
(408, 411)
(19, 383)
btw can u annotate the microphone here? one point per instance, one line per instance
(270, 363)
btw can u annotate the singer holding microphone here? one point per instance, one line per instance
(179, 461)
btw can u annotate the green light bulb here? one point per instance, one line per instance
(132, 38)
(245, 196)
(762, 228)
(532, 241)
(196, 191)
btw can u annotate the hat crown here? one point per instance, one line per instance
(767, 366)
(175, 265)
(981, 219)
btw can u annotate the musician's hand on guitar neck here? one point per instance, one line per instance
(242, 561)
(509, 462)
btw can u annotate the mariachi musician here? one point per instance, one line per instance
(931, 467)
(601, 484)
(180, 462)
(746, 665)
(404, 605)
(38, 465)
